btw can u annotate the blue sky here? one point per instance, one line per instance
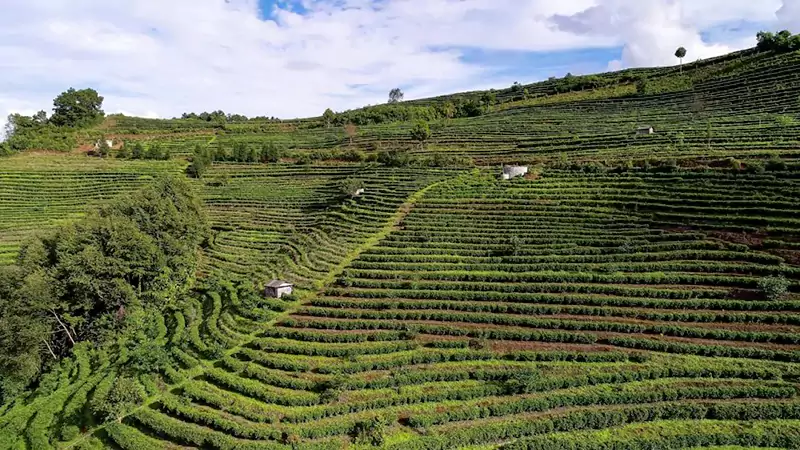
(294, 58)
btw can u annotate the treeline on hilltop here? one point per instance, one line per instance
(782, 41)
(476, 104)
(221, 117)
(76, 110)
(72, 110)
(105, 279)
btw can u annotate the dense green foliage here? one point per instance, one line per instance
(82, 281)
(73, 109)
(782, 41)
(76, 108)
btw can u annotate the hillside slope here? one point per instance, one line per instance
(630, 292)
(742, 105)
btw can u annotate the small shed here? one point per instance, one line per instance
(109, 142)
(358, 192)
(278, 288)
(645, 130)
(514, 171)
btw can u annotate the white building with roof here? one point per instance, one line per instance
(278, 288)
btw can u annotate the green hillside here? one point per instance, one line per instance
(632, 291)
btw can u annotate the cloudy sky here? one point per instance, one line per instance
(291, 58)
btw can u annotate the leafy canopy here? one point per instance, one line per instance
(76, 108)
(80, 282)
(396, 95)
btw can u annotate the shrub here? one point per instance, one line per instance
(125, 394)
(523, 383)
(775, 163)
(773, 288)
(350, 187)
(370, 432)
(69, 433)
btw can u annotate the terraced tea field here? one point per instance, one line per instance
(743, 106)
(293, 221)
(518, 314)
(38, 192)
(631, 292)
(267, 220)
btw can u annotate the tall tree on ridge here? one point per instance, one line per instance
(680, 53)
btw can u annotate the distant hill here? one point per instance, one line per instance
(721, 105)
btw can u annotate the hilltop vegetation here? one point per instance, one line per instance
(631, 291)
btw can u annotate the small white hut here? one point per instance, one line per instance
(278, 288)
(645, 130)
(109, 142)
(514, 171)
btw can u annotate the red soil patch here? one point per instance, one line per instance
(791, 256)
(753, 240)
(42, 152)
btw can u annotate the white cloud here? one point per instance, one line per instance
(155, 57)
(789, 15)
(651, 30)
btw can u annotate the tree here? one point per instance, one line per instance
(75, 108)
(349, 187)
(328, 116)
(514, 245)
(395, 95)
(421, 132)
(370, 431)
(270, 153)
(447, 109)
(200, 162)
(123, 152)
(773, 288)
(40, 118)
(138, 151)
(488, 99)
(154, 151)
(680, 53)
(395, 158)
(642, 85)
(350, 131)
(125, 395)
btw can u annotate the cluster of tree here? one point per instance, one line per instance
(121, 266)
(401, 158)
(202, 158)
(783, 41)
(221, 116)
(137, 151)
(394, 112)
(71, 110)
(572, 83)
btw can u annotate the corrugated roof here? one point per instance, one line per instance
(278, 284)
